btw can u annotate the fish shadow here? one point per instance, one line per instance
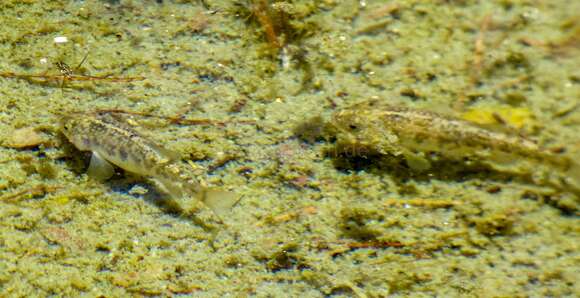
(125, 183)
(398, 168)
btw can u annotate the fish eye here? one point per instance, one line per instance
(352, 126)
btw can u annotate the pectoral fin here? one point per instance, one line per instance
(99, 168)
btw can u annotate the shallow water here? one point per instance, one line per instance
(314, 220)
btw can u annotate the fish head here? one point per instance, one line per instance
(73, 128)
(359, 132)
(348, 123)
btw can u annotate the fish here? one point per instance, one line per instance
(416, 135)
(112, 141)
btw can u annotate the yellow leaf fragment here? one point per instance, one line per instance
(516, 117)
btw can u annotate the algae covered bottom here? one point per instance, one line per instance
(243, 92)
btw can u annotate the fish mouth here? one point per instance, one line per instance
(66, 125)
(63, 121)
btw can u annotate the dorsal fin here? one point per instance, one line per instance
(170, 155)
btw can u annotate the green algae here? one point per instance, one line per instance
(73, 236)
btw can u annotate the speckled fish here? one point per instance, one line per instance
(415, 134)
(113, 141)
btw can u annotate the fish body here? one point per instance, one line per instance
(386, 129)
(113, 141)
(393, 130)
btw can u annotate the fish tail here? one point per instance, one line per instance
(173, 188)
(219, 201)
(172, 202)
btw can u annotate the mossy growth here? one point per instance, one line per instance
(313, 129)
(287, 257)
(493, 224)
(357, 223)
(280, 23)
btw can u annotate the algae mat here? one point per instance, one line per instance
(243, 91)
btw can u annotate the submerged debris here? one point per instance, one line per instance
(281, 22)
(26, 137)
(67, 74)
(39, 190)
(428, 203)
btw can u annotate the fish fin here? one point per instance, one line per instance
(99, 168)
(219, 201)
(169, 154)
(174, 189)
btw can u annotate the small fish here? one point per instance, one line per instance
(113, 141)
(416, 134)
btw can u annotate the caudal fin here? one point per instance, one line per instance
(219, 201)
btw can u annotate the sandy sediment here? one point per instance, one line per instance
(261, 80)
